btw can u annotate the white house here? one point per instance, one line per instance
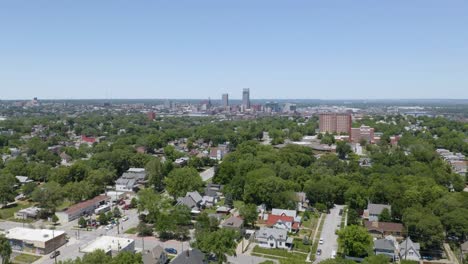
(273, 238)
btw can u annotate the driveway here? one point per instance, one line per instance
(332, 223)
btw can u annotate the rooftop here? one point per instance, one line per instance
(80, 206)
(108, 243)
(42, 235)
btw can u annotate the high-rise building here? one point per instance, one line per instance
(151, 115)
(246, 98)
(335, 123)
(225, 99)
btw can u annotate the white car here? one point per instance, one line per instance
(109, 227)
(125, 218)
(333, 254)
(321, 241)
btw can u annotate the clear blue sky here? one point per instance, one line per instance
(195, 49)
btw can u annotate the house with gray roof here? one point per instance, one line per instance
(410, 250)
(192, 200)
(273, 238)
(193, 256)
(235, 223)
(130, 179)
(373, 211)
(385, 247)
(157, 255)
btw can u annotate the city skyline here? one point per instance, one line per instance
(315, 50)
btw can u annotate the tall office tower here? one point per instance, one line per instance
(225, 100)
(335, 123)
(246, 98)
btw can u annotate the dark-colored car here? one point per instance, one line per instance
(319, 252)
(171, 251)
(55, 254)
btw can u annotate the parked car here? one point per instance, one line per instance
(319, 252)
(122, 202)
(109, 227)
(333, 254)
(171, 251)
(55, 254)
(321, 241)
(126, 207)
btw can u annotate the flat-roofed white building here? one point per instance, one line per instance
(37, 241)
(111, 245)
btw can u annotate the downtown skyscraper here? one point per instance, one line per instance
(246, 98)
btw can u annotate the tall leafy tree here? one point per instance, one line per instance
(183, 180)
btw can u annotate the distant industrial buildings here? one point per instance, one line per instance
(335, 123)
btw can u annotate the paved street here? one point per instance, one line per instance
(332, 223)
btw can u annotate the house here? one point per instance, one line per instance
(37, 241)
(192, 200)
(302, 201)
(373, 211)
(130, 179)
(181, 161)
(223, 210)
(111, 245)
(83, 208)
(464, 248)
(235, 223)
(30, 212)
(291, 213)
(218, 153)
(283, 222)
(409, 250)
(385, 247)
(281, 215)
(382, 229)
(273, 238)
(65, 158)
(23, 179)
(193, 256)
(155, 256)
(212, 194)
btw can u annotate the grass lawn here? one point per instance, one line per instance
(299, 245)
(25, 258)
(9, 212)
(132, 230)
(284, 256)
(65, 204)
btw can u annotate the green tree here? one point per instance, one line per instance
(7, 190)
(82, 222)
(54, 219)
(385, 216)
(103, 220)
(144, 229)
(5, 249)
(249, 213)
(355, 241)
(48, 195)
(116, 212)
(220, 242)
(155, 172)
(183, 180)
(343, 149)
